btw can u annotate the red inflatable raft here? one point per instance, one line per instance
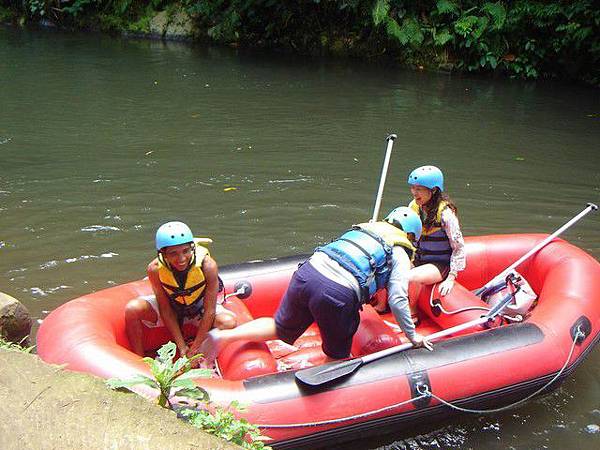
(476, 368)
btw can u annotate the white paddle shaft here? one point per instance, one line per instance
(384, 170)
(431, 337)
(534, 250)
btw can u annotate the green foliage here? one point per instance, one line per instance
(447, 7)
(224, 424)
(524, 38)
(37, 7)
(168, 377)
(6, 345)
(176, 379)
(77, 7)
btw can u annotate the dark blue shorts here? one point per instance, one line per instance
(312, 297)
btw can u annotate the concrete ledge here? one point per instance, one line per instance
(46, 407)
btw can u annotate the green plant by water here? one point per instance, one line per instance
(7, 345)
(174, 381)
(521, 38)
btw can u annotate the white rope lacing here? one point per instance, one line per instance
(424, 389)
(424, 392)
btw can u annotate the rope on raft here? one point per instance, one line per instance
(425, 392)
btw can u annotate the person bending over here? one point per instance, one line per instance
(332, 285)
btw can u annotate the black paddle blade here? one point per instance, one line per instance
(316, 376)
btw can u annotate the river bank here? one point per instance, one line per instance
(45, 407)
(523, 39)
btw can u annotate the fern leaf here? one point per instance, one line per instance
(412, 30)
(447, 7)
(497, 13)
(380, 11)
(442, 37)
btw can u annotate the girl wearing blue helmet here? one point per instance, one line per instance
(185, 281)
(440, 250)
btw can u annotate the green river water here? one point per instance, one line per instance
(102, 140)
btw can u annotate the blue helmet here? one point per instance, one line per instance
(173, 233)
(428, 176)
(407, 220)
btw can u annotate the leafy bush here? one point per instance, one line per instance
(168, 377)
(224, 424)
(175, 379)
(13, 346)
(524, 38)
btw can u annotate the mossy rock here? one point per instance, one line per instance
(15, 320)
(173, 25)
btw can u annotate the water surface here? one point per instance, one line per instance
(102, 140)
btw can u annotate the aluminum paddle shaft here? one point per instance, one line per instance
(590, 207)
(384, 171)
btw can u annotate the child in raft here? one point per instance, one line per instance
(440, 252)
(441, 248)
(186, 285)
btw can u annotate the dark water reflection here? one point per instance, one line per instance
(101, 140)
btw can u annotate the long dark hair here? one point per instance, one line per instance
(433, 204)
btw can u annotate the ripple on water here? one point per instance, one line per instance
(592, 428)
(39, 292)
(99, 228)
(85, 257)
(326, 205)
(290, 180)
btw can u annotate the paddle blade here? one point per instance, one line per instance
(316, 376)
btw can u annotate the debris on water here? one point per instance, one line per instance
(149, 152)
(228, 189)
(592, 428)
(155, 82)
(355, 159)
(519, 158)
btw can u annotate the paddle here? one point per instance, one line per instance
(317, 376)
(502, 275)
(384, 170)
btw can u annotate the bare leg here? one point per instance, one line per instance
(262, 329)
(425, 274)
(224, 321)
(136, 311)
